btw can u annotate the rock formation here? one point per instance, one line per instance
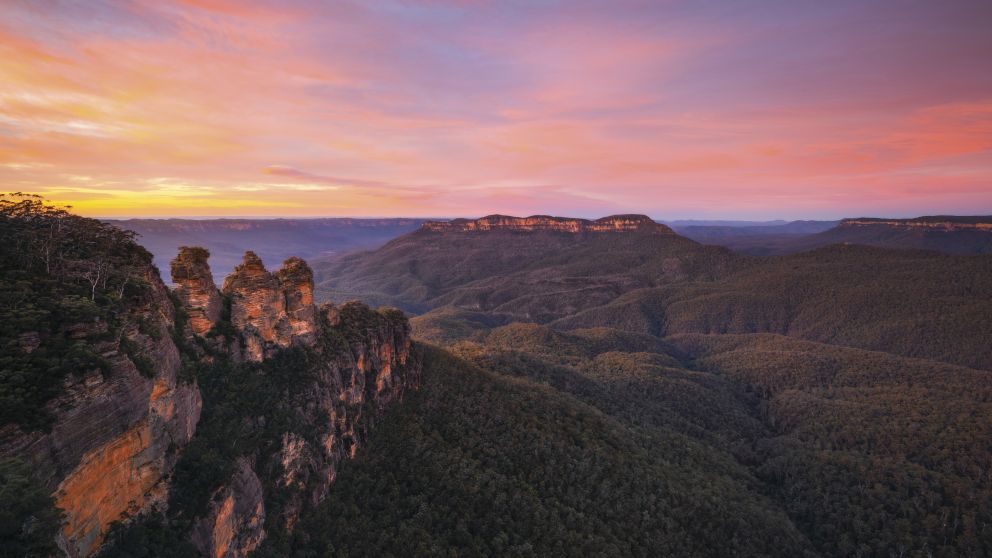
(296, 281)
(926, 223)
(116, 432)
(119, 431)
(196, 289)
(271, 311)
(614, 223)
(334, 405)
(235, 524)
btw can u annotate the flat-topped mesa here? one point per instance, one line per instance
(271, 310)
(936, 223)
(196, 289)
(613, 223)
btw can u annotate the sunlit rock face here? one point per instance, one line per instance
(335, 407)
(196, 289)
(296, 281)
(926, 223)
(117, 433)
(235, 524)
(364, 365)
(614, 223)
(271, 310)
(257, 305)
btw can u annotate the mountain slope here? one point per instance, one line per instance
(507, 466)
(912, 303)
(951, 235)
(532, 274)
(140, 421)
(537, 442)
(948, 234)
(918, 304)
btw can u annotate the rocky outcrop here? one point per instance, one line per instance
(271, 311)
(196, 289)
(116, 431)
(235, 524)
(363, 364)
(119, 428)
(614, 223)
(296, 281)
(336, 409)
(926, 223)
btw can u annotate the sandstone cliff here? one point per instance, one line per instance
(123, 431)
(271, 311)
(355, 363)
(926, 223)
(196, 289)
(614, 223)
(116, 431)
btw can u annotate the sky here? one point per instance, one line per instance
(737, 109)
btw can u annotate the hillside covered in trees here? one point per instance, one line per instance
(605, 394)
(840, 394)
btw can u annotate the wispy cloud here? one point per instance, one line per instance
(465, 108)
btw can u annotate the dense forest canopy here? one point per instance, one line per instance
(64, 281)
(609, 396)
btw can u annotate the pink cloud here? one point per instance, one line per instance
(437, 107)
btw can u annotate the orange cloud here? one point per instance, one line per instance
(465, 108)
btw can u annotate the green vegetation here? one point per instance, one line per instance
(483, 464)
(530, 441)
(873, 454)
(247, 409)
(64, 283)
(29, 520)
(732, 366)
(917, 304)
(912, 303)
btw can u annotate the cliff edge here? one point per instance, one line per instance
(535, 223)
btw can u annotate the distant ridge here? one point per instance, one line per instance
(934, 222)
(273, 240)
(534, 223)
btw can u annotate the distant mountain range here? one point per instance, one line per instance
(835, 401)
(661, 284)
(273, 240)
(950, 234)
(581, 387)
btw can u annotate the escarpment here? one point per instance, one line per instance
(271, 311)
(196, 289)
(310, 385)
(117, 426)
(937, 223)
(534, 223)
(253, 388)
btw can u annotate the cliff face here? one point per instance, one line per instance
(196, 289)
(926, 223)
(614, 223)
(271, 311)
(117, 432)
(296, 281)
(362, 363)
(236, 523)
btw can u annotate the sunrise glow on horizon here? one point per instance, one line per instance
(747, 110)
